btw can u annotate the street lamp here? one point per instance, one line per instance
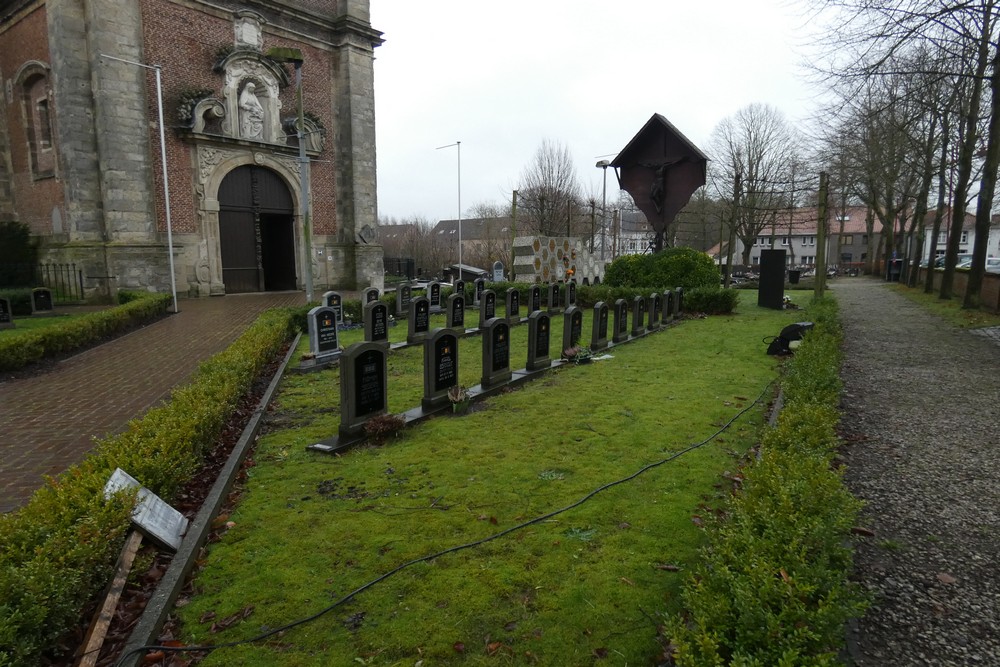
(604, 164)
(294, 56)
(458, 144)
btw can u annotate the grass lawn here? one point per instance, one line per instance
(950, 310)
(27, 323)
(588, 584)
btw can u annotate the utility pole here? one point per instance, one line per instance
(513, 231)
(737, 187)
(819, 283)
(593, 224)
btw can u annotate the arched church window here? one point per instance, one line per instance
(38, 124)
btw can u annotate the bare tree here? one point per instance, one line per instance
(549, 192)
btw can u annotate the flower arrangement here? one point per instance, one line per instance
(459, 398)
(578, 354)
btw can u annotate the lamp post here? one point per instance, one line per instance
(163, 166)
(294, 56)
(604, 164)
(458, 144)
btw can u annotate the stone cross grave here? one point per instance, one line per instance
(324, 342)
(513, 305)
(534, 299)
(455, 313)
(487, 307)
(6, 314)
(621, 321)
(599, 335)
(638, 315)
(440, 368)
(363, 387)
(572, 327)
(419, 321)
(539, 329)
(377, 323)
(496, 353)
(553, 298)
(333, 300)
(404, 295)
(371, 294)
(41, 300)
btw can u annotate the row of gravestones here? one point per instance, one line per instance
(41, 302)
(363, 374)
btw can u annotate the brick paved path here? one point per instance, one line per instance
(48, 421)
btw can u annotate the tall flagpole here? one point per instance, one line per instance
(458, 144)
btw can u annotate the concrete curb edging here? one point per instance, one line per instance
(162, 601)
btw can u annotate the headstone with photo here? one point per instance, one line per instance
(404, 296)
(668, 306)
(363, 386)
(655, 309)
(6, 314)
(371, 294)
(324, 342)
(455, 313)
(513, 306)
(599, 335)
(553, 298)
(621, 322)
(440, 368)
(534, 299)
(638, 315)
(41, 300)
(377, 323)
(539, 330)
(496, 353)
(480, 287)
(570, 294)
(419, 322)
(487, 307)
(434, 296)
(334, 300)
(572, 327)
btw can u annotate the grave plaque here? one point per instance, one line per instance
(419, 321)
(440, 368)
(363, 386)
(638, 315)
(534, 299)
(668, 306)
(404, 295)
(151, 514)
(480, 288)
(41, 300)
(455, 313)
(487, 307)
(377, 323)
(654, 311)
(334, 300)
(323, 335)
(621, 321)
(513, 306)
(6, 314)
(572, 327)
(434, 295)
(570, 293)
(599, 336)
(680, 300)
(496, 353)
(554, 298)
(371, 294)
(539, 330)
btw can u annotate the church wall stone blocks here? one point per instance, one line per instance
(80, 158)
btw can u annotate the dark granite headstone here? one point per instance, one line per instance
(668, 306)
(419, 322)
(621, 321)
(434, 295)
(377, 323)
(404, 296)
(680, 301)
(480, 287)
(459, 287)
(6, 315)
(333, 300)
(496, 353)
(570, 294)
(363, 386)
(371, 294)
(534, 299)
(324, 342)
(655, 309)
(599, 335)
(487, 307)
(440, 368)
(41, 300)
(554, 298)
(572, 327)
(513, 305)
(539, 330)
(638, 315)
(455, 313)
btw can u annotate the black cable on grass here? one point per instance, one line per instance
(461, 547)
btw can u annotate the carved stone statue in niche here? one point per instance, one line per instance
(251, 114)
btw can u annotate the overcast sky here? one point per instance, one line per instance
(503, 76)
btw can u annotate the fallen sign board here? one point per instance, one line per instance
(151, 515)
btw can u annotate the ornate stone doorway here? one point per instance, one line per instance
(256, 238)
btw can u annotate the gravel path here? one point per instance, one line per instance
(922, 406)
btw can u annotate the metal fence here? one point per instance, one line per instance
(65, 280)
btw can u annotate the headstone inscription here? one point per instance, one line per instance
(554, 298)
(487, 307)
(404, 296)
(621, 321)
(363, 386)
(440, 368)
(599, 335)
(377, 323)
(455, 313)
(434, 295)
(419, 321)
(655, 307)
(324, 343)
(480, 287)
(41, 300)
(570, 294)
(638, 315)
(539, 329)
(680, 300)
(496, 353)
(534, 299)
(6, 315)
(334, 300)
(371, 294)
(668, 306)
(572, 327)
(513, 305)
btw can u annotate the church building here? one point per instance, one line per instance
(84, 83)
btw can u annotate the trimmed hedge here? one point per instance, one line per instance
(676, 267)
(18, 351)
(711, 300)
(772, 585)
(57, 553)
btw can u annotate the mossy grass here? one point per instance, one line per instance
(949, 310)
(587, 583)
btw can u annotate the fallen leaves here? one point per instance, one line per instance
(232, 619)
